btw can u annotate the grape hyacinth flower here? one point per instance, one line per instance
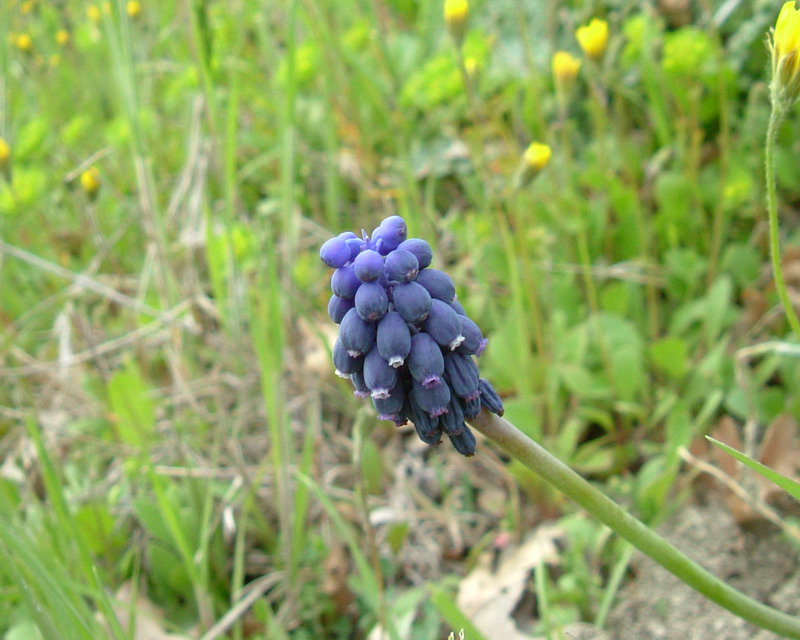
(404, 339)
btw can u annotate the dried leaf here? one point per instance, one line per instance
(490, 597)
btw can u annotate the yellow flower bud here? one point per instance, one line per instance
(23, 42)
(133, 8)
(785, 47)
(565, 68)
(90, 182)
(5, 159)
(535, 158)
(593, 38)
(470, 66)
(62, 36)
(537, 155)
(456, 13)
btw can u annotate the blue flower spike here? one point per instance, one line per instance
(404, 338)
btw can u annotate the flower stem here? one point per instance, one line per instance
(533, 456)
(775, 119)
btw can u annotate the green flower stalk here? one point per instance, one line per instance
(784, 92)
(533, 456)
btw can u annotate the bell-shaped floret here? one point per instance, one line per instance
(438, 284)
(335, 252)
(458, 307)
(464, 442)
(391, 407)
(357, 335)
(421, 249)
(345, 363)
(401, 266)
(425, 360)
(489, 398)
(428, 428)
(393, 339)
(471, 407)
(361, 389)
(411, 301)
(392, 232)
(474, 342)
(372, 303)
(378, 374)
(368, 265)
(462, 373)
(338, 307)
(452, 422)
(434, 400)
(345, 283)
(444, 325)
(356, 246)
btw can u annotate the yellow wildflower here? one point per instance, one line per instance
(785, 47)
(456, 13)
(565, 68)
(62, 36)
(133, 8)
(23, 42)
(26, 7)
(593, 38)
(93, 13)
(90, 182)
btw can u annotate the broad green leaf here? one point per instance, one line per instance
(671, 355)
(132, 405)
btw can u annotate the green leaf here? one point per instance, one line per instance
(787, 484)
(581, 382)
(671, 355)
(132, 405)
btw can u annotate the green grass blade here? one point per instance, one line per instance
(453, 615)
(787, 484)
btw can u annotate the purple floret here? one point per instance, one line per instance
(434, 400)
(338, 307)
(368, 265)
(411, 301)
(401, 266)
(421, 249)
(345, 283)
(357, 335)
(335, 253)
(425, 360)
(474, 343)
(393, 339)
(372, 303)
(379, 375)
(444, 325)
(392, 231)
(438, 284)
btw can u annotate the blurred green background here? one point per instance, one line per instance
(171, 430)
